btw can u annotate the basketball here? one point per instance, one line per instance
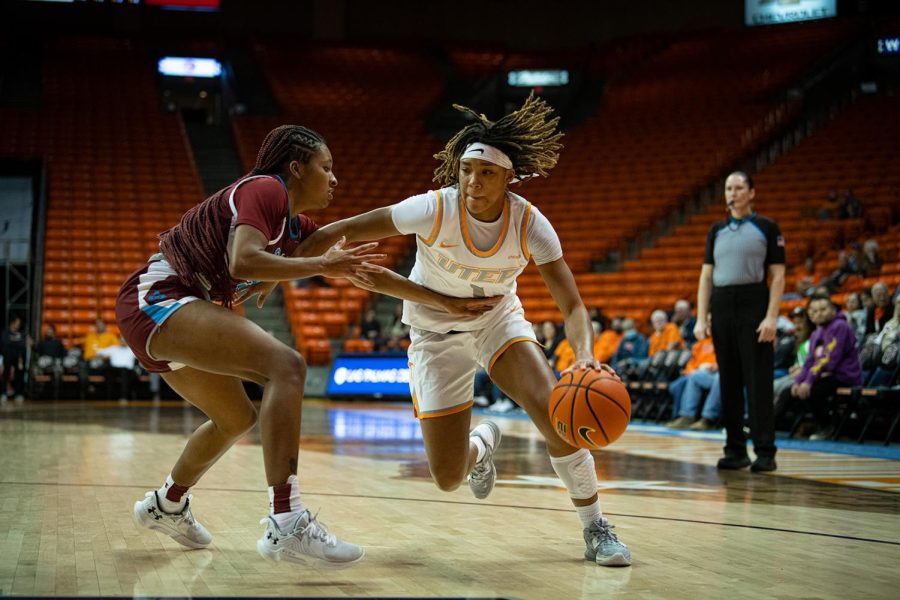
(589, 409)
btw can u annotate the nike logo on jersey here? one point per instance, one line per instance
(446, 245)
(514, 257)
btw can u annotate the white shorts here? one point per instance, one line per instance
(442, 365)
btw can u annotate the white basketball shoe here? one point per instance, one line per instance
(484, 473)
(181, 527)
(305, 538)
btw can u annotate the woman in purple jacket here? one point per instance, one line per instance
(832, 362)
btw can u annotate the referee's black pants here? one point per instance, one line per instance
(737, 311)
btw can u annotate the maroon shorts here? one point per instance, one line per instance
(147, 298)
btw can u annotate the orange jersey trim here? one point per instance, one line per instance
(464, 227)
(437, 222)
(445, 412)
(505, 346)
(524, 233)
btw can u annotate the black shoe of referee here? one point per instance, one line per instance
(733, 463)
(763, 463)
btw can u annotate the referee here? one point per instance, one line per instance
(734, 302)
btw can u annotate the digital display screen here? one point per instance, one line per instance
(369, 375)
(179, 66)
(773, 12)
(888, 45)
(546, 78)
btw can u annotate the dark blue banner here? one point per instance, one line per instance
(374, 375)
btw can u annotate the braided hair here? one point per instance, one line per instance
(527, 136)
(283, 145)
(205, 264)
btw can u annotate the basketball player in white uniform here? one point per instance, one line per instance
(474, 237)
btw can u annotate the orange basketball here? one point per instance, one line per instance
(589, 408)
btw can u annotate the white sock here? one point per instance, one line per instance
(578, 474)
(286, 518)
(167, 505)
(479, 447)
(589, 514)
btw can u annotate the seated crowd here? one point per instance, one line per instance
(819, 348)
(99, 364)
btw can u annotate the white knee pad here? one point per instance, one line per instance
(577, 472)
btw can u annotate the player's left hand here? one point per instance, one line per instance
(766, 329)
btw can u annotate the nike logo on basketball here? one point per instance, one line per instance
(583, 432)
(446, 245)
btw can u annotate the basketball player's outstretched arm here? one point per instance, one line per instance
(247, 259)
(375, 225)
(579, 332)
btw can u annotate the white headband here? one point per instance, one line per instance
(488, 153)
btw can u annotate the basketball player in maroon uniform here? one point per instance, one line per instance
(168, 312)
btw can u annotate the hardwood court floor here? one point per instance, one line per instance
(69, 474)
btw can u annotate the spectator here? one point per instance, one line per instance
(856, 315)
(13, 345)
(607, 341)
(831, 207)
(632, 350)
(397, 339)
(703, 353)
(370, 327)
(50, 345)
(891, 330)
(839, 276)
(97, 339)
(597, 316)
(833, 361)
(564, 355)
(49, 353)
(803, 328)
(665, 335)
(802, 290)
(121, 367)
(702, 380)
(880, 311)
(785, 346)
(809, 266)
(855, 258)
(870, 261)
(549, 340)
(685, 321)
(398, 329)
(865, 299)
(852, 207)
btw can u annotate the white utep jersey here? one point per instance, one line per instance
(448, 262)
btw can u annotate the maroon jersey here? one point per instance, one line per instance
(196, 247)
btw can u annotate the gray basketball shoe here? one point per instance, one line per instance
(484, 473)
(604, 547)
(306, 538)
(181, 527)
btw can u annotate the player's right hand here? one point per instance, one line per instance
(470, 307)
(352, 262)
(263, 288)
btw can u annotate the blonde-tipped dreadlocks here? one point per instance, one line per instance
(526, 136)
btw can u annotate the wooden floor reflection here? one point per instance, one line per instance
(70, 473)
